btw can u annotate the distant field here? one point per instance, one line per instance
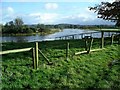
(99, 69)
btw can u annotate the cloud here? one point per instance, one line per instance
(46, 18)
(34, 14)
(10, 10)
(83, 19)
(76, 18)
(50, 6)
(8, 14)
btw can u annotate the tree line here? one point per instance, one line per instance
(18, 27)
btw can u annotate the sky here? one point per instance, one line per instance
(51, 11)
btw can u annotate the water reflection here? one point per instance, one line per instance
(38, 37)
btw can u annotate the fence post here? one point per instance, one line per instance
(88, 51)
(73, 36)
(36, 54)
(86, 43)
(33, 55)
(102, 39)
(81, 36)
(67, 51)
(112, 39)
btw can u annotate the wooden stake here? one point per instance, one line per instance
(102, 39)
(112, 39)
(67, 51)
(36, 54)
(86, 43)
(44, 56)
(33, 55)
(82, 36)
(90, 45)
(73, 36)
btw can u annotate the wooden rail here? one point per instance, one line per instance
(87, 49)
(34, 53)
(35, 56)
(85, 52)
(73, 35)
(15, 51)
(83, 34)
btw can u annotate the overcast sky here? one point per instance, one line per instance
(52, 11)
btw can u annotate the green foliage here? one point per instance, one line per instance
(16, 27)
(18, 22)
(108, 11)
(92, 70)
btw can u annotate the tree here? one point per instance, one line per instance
(108, 11)
(18, 21)
(41, 28)
(18, 24)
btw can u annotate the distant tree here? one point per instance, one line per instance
(26, 29)
(17, 26)
(9, 27)
(41, 28)
(108, 11)
(18, 21)
(1, 28)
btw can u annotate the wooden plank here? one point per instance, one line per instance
(15, 51)
(82, 52)
(85, 52)
(96, 50)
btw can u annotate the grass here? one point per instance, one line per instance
(94, 70)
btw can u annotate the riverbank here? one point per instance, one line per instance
(94, 70)
(51, 31)
(65, 32)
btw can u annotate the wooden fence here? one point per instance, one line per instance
(74, 35)
(35, 50)
(34, 53)
(82, 35)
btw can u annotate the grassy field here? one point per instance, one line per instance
(99, 69)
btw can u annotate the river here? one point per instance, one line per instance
(49, 37)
